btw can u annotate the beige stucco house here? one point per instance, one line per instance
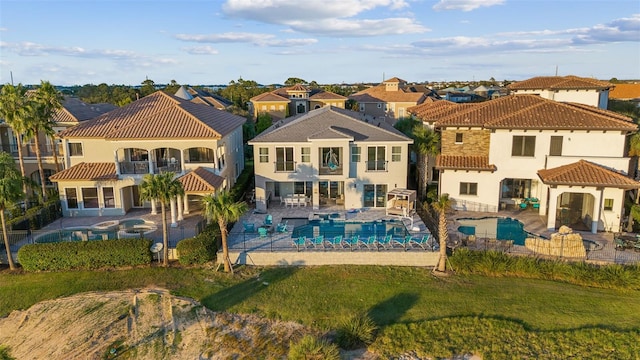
(569, 88)
(107, 157)
(329, 157)
(294, 100)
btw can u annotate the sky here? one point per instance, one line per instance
(198, 42)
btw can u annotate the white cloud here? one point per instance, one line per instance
(201, 50)
(253, 38)
(465, 5)
(326, 17)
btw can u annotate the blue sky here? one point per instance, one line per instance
(329, 41)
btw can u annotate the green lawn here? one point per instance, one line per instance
(322, 296)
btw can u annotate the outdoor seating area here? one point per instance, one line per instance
(372, 243)
(295, 200)
(529, 203)
(627, 242)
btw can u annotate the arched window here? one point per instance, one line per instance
(301, 109)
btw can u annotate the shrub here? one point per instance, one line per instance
(4, 353)
(356, 331)
(312, 348)
(197, 250)
(85, 255)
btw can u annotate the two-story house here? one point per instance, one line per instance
(107, 157)
(332, 157)
(73, 112)
(568, 157)
(390, 99)
(294, 100)
(566, 89)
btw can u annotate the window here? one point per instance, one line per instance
(523, 145)
(107, 197)
(379, 106)
(264, 154)
(272, 107)
(221, 160)
(264, 107)
(301, 109)
(280, 107)
(375, 195)
(137, 154)
(361, 107)
(458, 138)
(75, 149)
(200, 155)
(284, 159)
(330, 161)
(306, 154)
(516, 188)
(468, 188)
(556, 146)
(72, 198)
(376, 158)
(386, 107)
(608, 204)
(396, 153)
(90, 198)
(355, 154)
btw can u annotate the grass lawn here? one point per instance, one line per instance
(498, 317)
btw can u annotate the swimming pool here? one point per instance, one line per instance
(106, 230)
(330, 228)
(495, 228)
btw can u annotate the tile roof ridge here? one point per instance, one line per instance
(194, 172)
(520, 110)
(64, 109)
(195, 118)
(610, 115)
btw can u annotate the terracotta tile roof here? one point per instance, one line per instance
(394, 80)
(559, 83)
(270, 96)
(459, 162)
(158, 116)
(326, 95)
(586, 173)
(379, 93)
(201, 180)
(535, 112)
(433, 110)
(332, 122)
(297, 87)
(282, 95)
(87, 171)
(625, 92)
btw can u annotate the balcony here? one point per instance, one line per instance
(330, 170)
(285, 166)
(29, 150)
(134, 167)
(377, 166)
(167, 166)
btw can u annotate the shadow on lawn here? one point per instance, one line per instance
(228, 297)
(391, 310)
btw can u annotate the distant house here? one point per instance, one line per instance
(200, 96)
(107, 157)
(626, 92)
(73, 112)
(502, 153)
(566, 89)
(389, 100)
(294, 100)
(329, 157)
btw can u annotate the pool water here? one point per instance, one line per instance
(100, 231)
(331, 228)
(495, 228)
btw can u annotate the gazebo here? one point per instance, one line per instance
(401, 202)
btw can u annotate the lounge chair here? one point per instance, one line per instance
(268, 220)
(281, 227)
(263, 232)
(385, 242)
(318, 241)
(336, 242)
(249, 227)
(423, 242)
(300, 242)
(370, 242)
(402, 242)
(353, 241)
(620, 245)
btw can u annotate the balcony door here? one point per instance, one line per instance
(331, 192)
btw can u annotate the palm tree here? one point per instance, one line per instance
(12, 110)
(10, 193)
(224, 209)
(162, 188)
(42, 106)
(442, 206)
(426, 142)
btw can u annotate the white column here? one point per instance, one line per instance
(186, 204)
(154, 210)
(180, 202)
(553, 204)
(173, 213)
(67, 159)
(597, 205)
(115, 158)
(150, 162)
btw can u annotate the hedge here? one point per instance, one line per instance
(85, 255)
(199, 249)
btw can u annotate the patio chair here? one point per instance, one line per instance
(336, 242)
(318, 241)
(263, 232)
(300, 242)
(353, 241)
(268, 220)
(471, 241)
(385, 242)
(423, 242)
(282, 227)
(249, 227)
(402, 242)
(620, 245)
(370, 242)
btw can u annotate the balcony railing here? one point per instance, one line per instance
(163, 167)
(378, 165)
(134, 167)
(325, 170)
(285, 166)
(29, 150)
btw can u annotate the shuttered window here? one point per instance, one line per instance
(556, 146)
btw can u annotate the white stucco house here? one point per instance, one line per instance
(564, 160)
(107, 157)
(329, 157)
(566, 89)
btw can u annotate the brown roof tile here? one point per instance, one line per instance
(433, 110)
(379, 93)
(158, 116)
(586, 173)
(270, 96)
(87, 171)
(559, 82)
(459, 162)
(625, 92)
(201, 180)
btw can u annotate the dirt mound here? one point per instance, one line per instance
(142, 324)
